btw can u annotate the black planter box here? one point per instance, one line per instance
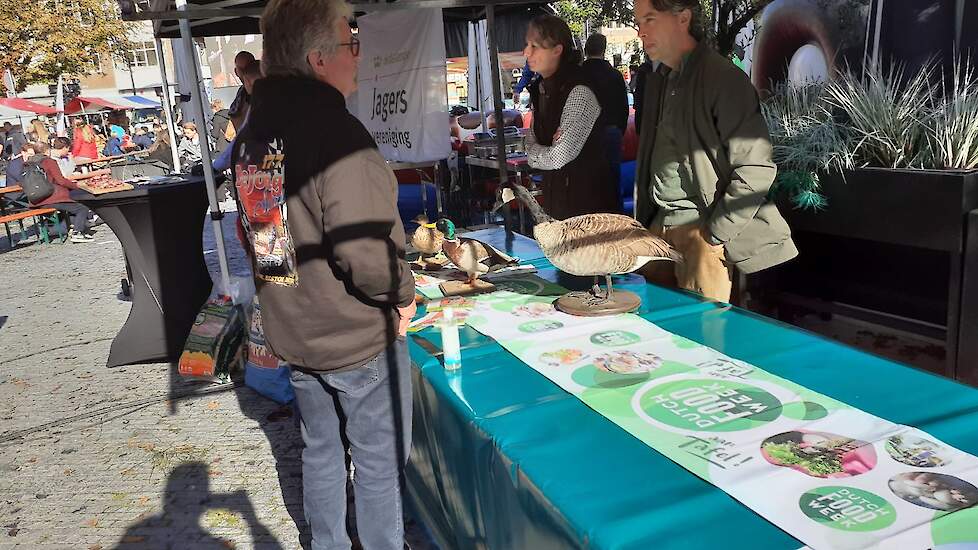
(891, 246)
(919, 208)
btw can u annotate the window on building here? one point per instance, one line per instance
(143, 55)
(96, 63)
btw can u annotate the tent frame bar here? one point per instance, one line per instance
(230, 13)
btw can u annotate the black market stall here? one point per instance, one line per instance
(160, 229)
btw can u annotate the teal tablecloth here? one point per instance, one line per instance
(505, 459)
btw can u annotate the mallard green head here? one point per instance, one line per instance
(447, 227)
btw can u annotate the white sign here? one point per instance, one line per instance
(480, 73)
(403, 95)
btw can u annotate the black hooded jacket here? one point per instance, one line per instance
(319, 207)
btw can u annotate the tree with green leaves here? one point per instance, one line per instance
(731, 17)
(723, 19)
(582, 15)
(40, 40)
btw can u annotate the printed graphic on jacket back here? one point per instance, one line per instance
(259, 177)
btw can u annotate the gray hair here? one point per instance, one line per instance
(293, 28)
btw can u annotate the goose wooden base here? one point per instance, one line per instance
(462, 288)
(586, 304)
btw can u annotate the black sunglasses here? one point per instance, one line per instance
(354, 45)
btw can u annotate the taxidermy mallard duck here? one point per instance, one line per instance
(426, 238)
(593, 244)
(473, 257)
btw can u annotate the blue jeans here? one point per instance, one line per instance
(612, 141)
(371, 406)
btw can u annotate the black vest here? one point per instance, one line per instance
(584, 185)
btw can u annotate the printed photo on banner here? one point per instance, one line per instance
(934, 491)
(916, 451)
(260, 183)
(534, 310)
(628, 362)
(819, 454)
(561, 357)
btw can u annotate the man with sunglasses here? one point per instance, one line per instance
(328, 249)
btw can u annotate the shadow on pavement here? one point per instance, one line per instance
(278, 423)
(185, 503)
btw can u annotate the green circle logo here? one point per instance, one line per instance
(540, 326)
(615, 338)
(521, 286)
(593, 377)
(805, 410)
(710, 405)
(847, 509)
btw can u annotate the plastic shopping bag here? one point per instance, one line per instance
(264, 372)
(214, 347)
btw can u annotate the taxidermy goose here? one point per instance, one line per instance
(426, 238)
(593, 244)
(473, 257)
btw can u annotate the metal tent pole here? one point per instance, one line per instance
(497, 98)
(479, 92)
(197, 110)
(167, 106)
(875, 62)
(958, 25)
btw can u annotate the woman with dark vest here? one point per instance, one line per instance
(563, 141)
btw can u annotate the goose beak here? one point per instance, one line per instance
(505, 197)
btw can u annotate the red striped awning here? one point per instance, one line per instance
(26, 105)
(93, 104)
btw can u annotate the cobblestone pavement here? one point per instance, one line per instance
(94, 458)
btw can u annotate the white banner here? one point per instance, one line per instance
(59, 104)
(403, 95)
(830, 475)
(480, 72)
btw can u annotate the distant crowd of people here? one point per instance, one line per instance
(43, 163)
(90, 140)
(36, 150)
(54, 165)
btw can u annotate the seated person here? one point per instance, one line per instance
(143, 139)
(160, 150)
(79, 231)
(15, 170)
(113, 145)
(189, 148)
(61, 152)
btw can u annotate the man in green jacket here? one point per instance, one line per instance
(704, 158)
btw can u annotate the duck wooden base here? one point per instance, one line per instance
(586, 304)
(429, 263)
(462, 288)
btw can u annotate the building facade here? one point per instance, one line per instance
(139, 74)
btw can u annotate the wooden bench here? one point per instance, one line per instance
(42, 230)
